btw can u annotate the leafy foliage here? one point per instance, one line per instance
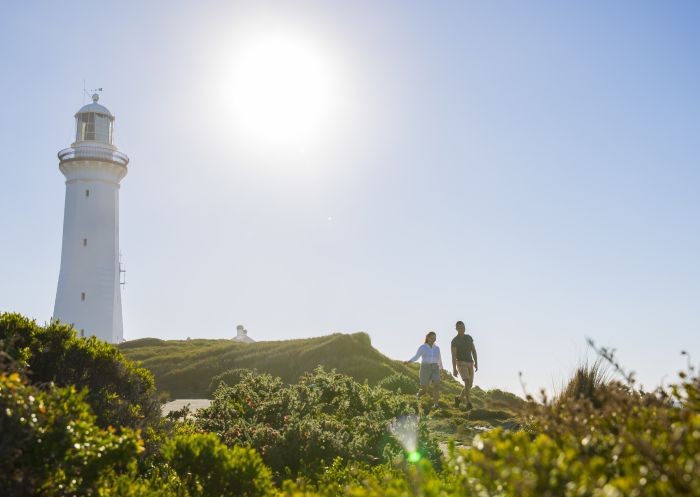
(50, 444)
(400, 383)
(612, 440)
(230, 377)
(210, 469)
(633, 444)
(296, 428)
(119, 392)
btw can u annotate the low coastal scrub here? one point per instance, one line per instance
(299, 429)
(326, 435)
(119, 392)
(51, 444)
(399, 383)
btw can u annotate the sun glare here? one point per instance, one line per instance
(281, 91)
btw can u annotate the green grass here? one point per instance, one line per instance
(185, 368)
(492, 408)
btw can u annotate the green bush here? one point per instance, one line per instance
(400, 383)
(210, 469)
(619, 442)
(340, 479)
(51, 446)
(299, 428)
(129, 485)
(498, 399)
(119, 392)
(230, 377)
(394, 479)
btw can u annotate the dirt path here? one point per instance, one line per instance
(176, 404)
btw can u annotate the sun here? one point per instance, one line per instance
(281, 88)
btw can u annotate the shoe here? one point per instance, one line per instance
(469, 406)
(435, 406)
(457, 399)
(418, 396)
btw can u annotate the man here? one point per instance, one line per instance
(464, 362)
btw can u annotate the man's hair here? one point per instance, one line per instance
(459, 322)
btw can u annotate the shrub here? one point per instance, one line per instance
(210, 469)
(500, 399)
(51, 446)
(340, 478)
(620, 442)
(399, 383)
(488, 415)
(299, 428)
(230, 377)
(128, 485)
(119, 392)
(395, 479)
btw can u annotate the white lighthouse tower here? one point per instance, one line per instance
(89, 294)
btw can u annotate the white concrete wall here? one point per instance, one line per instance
(91, 268)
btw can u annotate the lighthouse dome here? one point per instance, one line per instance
(95, 107)
(94, 123)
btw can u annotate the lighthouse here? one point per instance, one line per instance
(89, 293)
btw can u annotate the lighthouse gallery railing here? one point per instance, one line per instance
(87, 152)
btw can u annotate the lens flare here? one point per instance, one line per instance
(414, 456)
(405, 430)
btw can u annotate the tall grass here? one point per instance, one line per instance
(589, 381)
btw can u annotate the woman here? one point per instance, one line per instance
(431, 364)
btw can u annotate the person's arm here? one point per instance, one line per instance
(440, 360)
(476, 361)
(418, 354)
(454, 361)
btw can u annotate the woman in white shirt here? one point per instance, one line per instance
(431, 364)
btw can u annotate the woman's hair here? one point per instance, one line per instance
(428, 335)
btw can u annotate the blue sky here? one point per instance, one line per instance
(528, 167)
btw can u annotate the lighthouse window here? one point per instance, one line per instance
(82, 296)
(87, 193)
(103, 128)
(84, 242)
(86, 127)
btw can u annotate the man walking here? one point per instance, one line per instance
(464, 362)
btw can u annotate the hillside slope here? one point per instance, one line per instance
(185, 368)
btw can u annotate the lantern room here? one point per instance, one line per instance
(94, 123)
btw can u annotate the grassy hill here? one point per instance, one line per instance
(184, 369)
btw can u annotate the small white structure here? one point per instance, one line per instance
(89, 293)
(242, 335)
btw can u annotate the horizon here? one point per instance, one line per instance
(531, 170)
